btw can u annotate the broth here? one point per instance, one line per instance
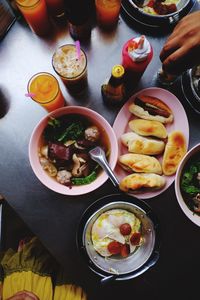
(64, 147)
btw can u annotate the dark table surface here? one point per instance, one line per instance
(54, 217)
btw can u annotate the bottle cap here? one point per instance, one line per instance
(141, 50)
(118, 71)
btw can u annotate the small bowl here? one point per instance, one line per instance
(189, 213)
(35, 140)
(136, 263)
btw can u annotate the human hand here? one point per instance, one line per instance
(182, 49)
(24, 295)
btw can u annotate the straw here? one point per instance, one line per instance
(78, 49)
(30, 95)
(141, 42)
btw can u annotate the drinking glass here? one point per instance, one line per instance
(107, 12)
(44, 89)
(71, 67)
(35, 14)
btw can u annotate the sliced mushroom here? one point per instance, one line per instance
(44, 162)
(44, 151)
(47, 166)
(79, 165)
(69, 143)
(196, 199)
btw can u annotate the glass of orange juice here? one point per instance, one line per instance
(44, 89)
(107, 12)
(35, 14)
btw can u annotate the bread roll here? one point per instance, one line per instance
(140, 163)
(151, 108)
(148, 128)
(137, 181)
(175, 149)
(142, 145)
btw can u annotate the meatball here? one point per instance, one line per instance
(92, 134)
(63, 176)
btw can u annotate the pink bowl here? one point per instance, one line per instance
(35, 142)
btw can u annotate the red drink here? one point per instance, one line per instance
(35, 14)
(107, 12)
(136, 55)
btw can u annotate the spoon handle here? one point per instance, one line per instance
(98, 155)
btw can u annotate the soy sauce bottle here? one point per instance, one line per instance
(113, 92)
(78, 13)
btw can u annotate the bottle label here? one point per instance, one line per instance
(80, 31)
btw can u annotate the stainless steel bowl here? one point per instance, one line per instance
(134, 12)
(136, 263)
(190, 84)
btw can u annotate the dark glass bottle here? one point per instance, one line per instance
(113, 92)
(78, 12)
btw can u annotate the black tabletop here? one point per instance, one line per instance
(53, 217)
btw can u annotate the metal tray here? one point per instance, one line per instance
(134, 13)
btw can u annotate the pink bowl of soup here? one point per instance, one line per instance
(59, 150)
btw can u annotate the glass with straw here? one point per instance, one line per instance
(70, 63)
(44, 89)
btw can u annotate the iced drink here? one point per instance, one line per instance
(35, 14)
(107, 12)
(71, 67)
(136, 55)
(44, 89)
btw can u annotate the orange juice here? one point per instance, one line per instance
(107, 12)
(44, 89)
(35, 14)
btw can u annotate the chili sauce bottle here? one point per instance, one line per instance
(136, 55)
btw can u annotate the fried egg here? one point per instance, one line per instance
(106, 229)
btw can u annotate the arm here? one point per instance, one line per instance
(182, 49)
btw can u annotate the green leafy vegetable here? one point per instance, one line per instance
(84, 180)
(191, 189)
(189, 178)
(54, 122)
(61, 130)
(72, 132)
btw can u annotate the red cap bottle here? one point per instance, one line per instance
(136, 55)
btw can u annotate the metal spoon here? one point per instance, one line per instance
(98, 155)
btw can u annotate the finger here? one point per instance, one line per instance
(178, 62)
(169, 48)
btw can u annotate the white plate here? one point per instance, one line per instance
(120, 126)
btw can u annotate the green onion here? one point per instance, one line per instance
(84, 180)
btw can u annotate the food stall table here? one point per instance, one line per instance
(54, 217)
